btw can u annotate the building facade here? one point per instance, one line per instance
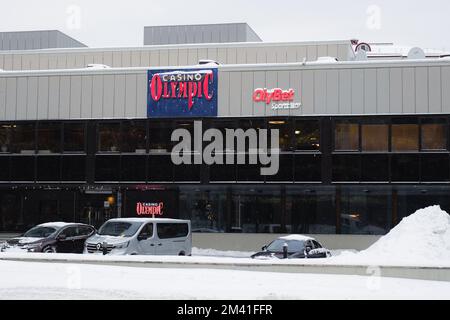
(362, 143)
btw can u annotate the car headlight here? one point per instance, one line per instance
(32, 247)
(122, 245)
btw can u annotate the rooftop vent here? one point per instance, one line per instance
(416, 53)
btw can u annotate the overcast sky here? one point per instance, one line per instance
(108, 23)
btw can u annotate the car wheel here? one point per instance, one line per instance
(49, 249)
(182, 253)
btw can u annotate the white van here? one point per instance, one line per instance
(150, 236)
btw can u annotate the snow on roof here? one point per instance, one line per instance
(390, 49)
(54, 224)
(298, 237)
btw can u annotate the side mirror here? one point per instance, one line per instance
(264, 248)
(143, 236)
(308, 249)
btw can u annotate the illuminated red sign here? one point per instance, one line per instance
(273, 95)
(149, 208)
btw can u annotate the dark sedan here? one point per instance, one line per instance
(51, 237)
(293, 246)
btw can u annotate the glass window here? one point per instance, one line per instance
(307, 135)
(365, 211)
(346, 136)
(375, 167)
(257, 210)
(160, 168)
(222, 172)
(74, 137)
(109, 137)
(284, 132)
(49, 137)
(5, 170)
(405, 167)
(134, 136)
(160, 133)
(107, 168)
(434, 167)
(48, 168)
(307, 167)
(6, 131)
(119, 229)
(187, 172)
(434, 136)
(134, 168)
(23, 138)
(172, 230)
(73, 168)
(70, 232)
(249, 172)
(310, 211)
(22, 168)
(405, 137)
(84, 231)
(346, 168)
(375, 137)
(147, 230)
(285, 169)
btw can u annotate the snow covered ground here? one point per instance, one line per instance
(31, 280)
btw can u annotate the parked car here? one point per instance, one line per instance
(147, 236)
(50, 237)
(298, 246)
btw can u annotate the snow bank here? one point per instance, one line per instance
(419, 239)
(219, 253)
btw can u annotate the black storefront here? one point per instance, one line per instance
(349, 175)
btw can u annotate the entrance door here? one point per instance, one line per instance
(146, 240)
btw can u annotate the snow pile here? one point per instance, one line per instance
(423, 236)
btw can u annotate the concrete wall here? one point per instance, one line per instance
(202, 33)
(254, 241)
(175, 55)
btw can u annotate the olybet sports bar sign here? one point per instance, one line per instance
(182, 93)
(277, 98)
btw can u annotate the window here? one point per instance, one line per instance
(107, 168)
(172, 230)
(134, 168)
(109, 137)
(285, 169)
(346, 137)
(73, 168)
(249, 172)
(70, 232)
(49, 137)
(434, 167)
(147, 230)
(84, 231)
(160, 133)
(22, 168)
(405, 137)
(5, 170)
(134, 136)
(307, 135)
(375, 167)
(346, 167)
(433, 136)
(23, 138)
(48, 168)
(160, 168)
(187, 172)
(222, 172)
(6, 131)
(307, 168)
(375, 137)
(405, 167)
(284, 131)
(74, 137)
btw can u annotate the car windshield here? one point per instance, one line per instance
(40, 232)
(293, 245)
(119, 229)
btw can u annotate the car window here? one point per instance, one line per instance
(316, 244)
(40, 232)
(293, 245)
(84, 230)
(70, 232)
(147, 229)
(172, 230)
